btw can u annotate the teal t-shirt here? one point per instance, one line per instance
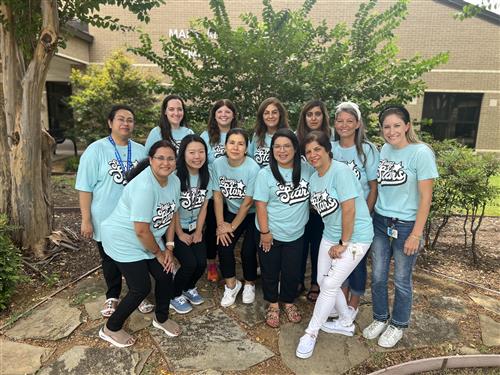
(101, 174)
(143, 200)
(177, 134)
(217, 150)
(284, 202)
(234, 183)
(349, 156)
(192, 200)
(258, 153)
(328, 192)
(399, 171)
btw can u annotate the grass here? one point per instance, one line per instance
(493, 208)
(64, 180)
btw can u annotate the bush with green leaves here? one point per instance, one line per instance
(117, 82)
(284, 54)
(464, 187)
(10, 263)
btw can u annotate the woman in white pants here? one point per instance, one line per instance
(337, 196)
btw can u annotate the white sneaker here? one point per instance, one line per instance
(306, 346)
(230, 294)
(390, 337)
(374, 329)
(353, 312)
(248, 293)
(337, 327)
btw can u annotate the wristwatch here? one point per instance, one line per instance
(170, 243)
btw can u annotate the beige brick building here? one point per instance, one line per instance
(462, 97)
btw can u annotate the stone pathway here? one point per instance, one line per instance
(60, 337)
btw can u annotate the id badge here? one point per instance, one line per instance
(391, 232)
(192, 226)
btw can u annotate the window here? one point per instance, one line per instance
(453, 116)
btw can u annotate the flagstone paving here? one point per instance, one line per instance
(18, 359)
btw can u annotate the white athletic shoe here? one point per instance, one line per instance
(248, 293)
(230, 294)
(374, 329)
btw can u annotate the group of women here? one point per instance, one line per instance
(328, 194)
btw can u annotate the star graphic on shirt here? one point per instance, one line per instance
(241, 185)
(397, 167)
(351, 164)
(324, 195)
(303, 184)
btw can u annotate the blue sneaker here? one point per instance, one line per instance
(193, 297)
(180, 305)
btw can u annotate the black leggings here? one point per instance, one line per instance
(280, 265)
(210, 237)
(312, 236)
(193, 260)
(248, 249)
(111, 272)
(139, 284)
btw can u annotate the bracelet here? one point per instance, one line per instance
(419, 238)
(170, 243)
(268, 231)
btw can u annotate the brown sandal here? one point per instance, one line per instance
(273, 317)
(292, 313)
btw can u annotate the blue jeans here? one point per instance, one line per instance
(383, 248)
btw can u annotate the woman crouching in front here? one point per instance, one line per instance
(337, 196)
(131, 236)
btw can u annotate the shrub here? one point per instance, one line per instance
(10, 263)
(71, 164)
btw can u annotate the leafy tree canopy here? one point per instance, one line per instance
(284, 54)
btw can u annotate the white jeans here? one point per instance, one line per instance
(331, 274)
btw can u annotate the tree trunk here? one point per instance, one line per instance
(5, 178)
(30, 197)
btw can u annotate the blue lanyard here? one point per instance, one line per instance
(119, 158)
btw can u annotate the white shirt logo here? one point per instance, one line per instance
(391, 173)
(193, 198)
(288, 195)
(115, 171)
(261, 156)
(351, 164)
(323, 203)
(232, 189)
(218, 150)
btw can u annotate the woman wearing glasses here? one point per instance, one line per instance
(405, 177)
(282, 191)
(100, 181)
(173, 123)
(132, 237)
(353, 149)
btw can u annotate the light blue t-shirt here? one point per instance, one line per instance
(234, 183)
(349, 156)
(328, 192)
(284, 202)
(192, 200)
(260, 154)
(177, 134)
(399, 171)
(143, 200)
(217, 150)
(101, 174)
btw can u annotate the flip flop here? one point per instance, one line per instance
(146, 307)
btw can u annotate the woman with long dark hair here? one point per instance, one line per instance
(132, 237)
(281, 191)
(271, 116)
(190, 250)
(173, 124)
(405, 176)
(223, 117)
(233, 182)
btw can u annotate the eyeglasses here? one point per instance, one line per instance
(163, 158)
(282, 147)
(314, 114)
